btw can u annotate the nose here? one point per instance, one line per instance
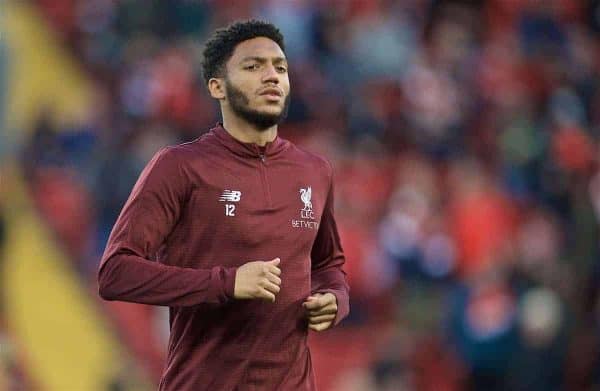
(270, 75)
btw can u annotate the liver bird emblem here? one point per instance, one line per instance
(305, 195)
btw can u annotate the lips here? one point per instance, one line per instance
(272, 92)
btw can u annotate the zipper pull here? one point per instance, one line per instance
(262, 157)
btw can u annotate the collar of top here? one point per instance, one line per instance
(248, 149)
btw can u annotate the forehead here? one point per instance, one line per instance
(256, 47)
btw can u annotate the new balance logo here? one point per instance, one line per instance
(230, 196)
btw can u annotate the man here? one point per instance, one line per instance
(240, 222)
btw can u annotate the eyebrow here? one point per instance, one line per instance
(264, 59)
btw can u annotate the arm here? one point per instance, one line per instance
(126, 271)
(327, 257)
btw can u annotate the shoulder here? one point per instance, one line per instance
(171, 162)
(167, 159)
(311, 160)
(182, 155)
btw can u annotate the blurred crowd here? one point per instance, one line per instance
(465, 140)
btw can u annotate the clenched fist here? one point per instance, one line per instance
(258, 280)
(321, 310)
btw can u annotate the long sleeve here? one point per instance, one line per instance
(128, 271)
(327, 258)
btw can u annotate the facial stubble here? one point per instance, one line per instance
(239, 103)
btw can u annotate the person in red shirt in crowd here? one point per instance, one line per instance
(200, 211)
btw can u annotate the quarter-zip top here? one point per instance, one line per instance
(262, 167)
(198, 212)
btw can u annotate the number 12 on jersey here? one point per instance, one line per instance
(229, 210)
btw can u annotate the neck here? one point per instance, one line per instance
(246, 132)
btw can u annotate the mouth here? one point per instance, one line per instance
(272, 93)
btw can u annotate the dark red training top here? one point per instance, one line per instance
(202, 209)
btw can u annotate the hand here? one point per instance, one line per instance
(321, 310)
(258, 280)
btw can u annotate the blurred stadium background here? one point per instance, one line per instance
(464, 135)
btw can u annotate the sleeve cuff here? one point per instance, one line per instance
(223, 283)
(230, 282)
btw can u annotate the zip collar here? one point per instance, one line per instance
(252, 150)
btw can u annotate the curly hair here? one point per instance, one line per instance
(219, 48)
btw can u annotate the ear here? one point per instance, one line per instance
(216, 87)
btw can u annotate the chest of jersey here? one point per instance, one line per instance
(264, 209)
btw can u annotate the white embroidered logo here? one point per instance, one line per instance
(230, 196)
(305, 195)
(307, 216)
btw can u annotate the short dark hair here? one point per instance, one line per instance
(219, 48)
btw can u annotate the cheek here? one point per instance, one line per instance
(241, 83)
(285, 84)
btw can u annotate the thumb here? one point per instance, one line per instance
(275, 261)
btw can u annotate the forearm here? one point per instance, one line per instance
(131, 278)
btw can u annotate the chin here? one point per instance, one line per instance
(271, 111)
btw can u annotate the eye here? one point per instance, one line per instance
(281, 69)
(252, 67)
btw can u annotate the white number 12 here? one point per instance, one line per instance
(229, 209)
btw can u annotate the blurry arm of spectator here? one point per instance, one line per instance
(327, 257)
(127, 272)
